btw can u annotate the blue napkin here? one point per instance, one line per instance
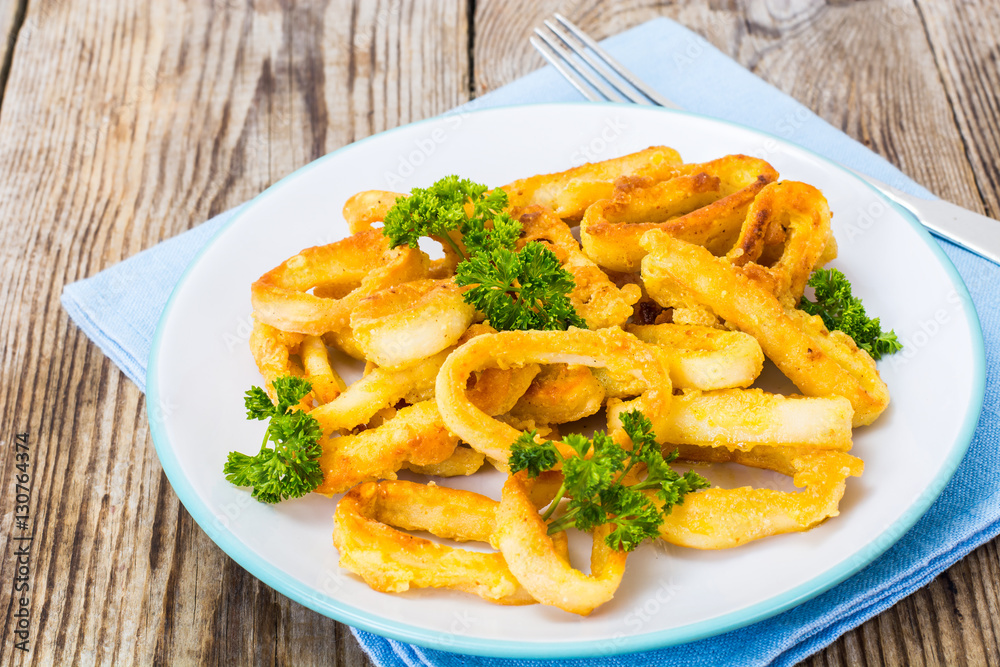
(118, 309)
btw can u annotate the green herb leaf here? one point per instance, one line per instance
(520, 290)
(290, 468)
(592, 480)
(514, 290)
(842, 311)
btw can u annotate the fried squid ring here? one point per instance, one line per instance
(595, 297)
(326, 382)
(706, 205)
(364, 208)
(279, 353)
(400, 325)
(819, 362)
(621, 352)
(561, 393)
(496, 391)
(533, 558)
(362, 263)
(724, 518)
(797, 213)
(745, 418)
(569, 193)
(463, 462)
(392, 561)
(700, 357)
(414, 435)
(273, 350)
(379, 389)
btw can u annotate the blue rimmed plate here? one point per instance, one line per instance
(200, 366)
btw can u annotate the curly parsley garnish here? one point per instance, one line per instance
(514, 290)
(291, 468)
(592, 479)
(843, 311)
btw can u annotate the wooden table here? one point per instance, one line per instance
(123, 123)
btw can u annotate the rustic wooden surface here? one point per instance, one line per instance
(123, 123)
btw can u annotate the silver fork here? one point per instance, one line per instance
(599, 77)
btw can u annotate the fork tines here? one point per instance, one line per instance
(592, 70)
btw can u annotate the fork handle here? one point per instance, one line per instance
(968, 229)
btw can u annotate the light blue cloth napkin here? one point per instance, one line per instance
(119, 308)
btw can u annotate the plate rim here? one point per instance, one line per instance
(368, 621)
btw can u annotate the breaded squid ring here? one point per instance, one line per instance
(706, 205)
(561, 393)
(569, 193)
(700, 357)
(724, 518)
(363, 263)
(621, 352)
(379, 389)
(464, 461)
(819, 362)
(392, 561)
(745, 418)
(366, 207)
(415, 435)
(326, 382)
(273, 349)
(275, 352)
(532, 557)
(400, 325)
(800, 215)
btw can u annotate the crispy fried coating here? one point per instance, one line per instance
(724, 518)
(362, 262)
(535, 561)
(569, 193)
(415, 435)
(561, 393)
(400, 325)
(326, 382)
(464, 461)
(279, 353)
(272, 349)
(366, 207)
(819, 362)
(699, 357)
(381, 388)
(621, 352)
(798, 215)
(392, 561)
(706, 204)
(496, 391)
(744, 418)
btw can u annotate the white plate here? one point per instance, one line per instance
(200, 367)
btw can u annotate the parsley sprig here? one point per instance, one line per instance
(441, 208)
(514, 290)
(593, 480)
(843, 311)
(290, 468)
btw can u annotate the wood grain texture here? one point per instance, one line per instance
(965, 38)
(11, 17)
(126, 123)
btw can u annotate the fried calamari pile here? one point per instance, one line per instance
(685, 278)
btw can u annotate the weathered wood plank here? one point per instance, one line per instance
(11, 16)
(123, 124)
(926, 99)
(965, 37)
(133, 121)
